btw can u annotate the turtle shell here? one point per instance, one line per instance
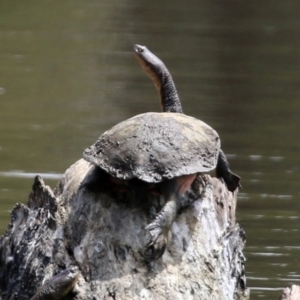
(156, 146)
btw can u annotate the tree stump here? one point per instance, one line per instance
(100, 228)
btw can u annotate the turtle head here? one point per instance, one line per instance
(152, 65)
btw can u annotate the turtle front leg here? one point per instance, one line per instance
(159, 228)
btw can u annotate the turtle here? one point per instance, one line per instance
(167, 149)
(170, 102)
(58, 286)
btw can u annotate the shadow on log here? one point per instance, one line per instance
(100, 230)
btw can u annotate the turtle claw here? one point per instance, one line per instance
(158, 242)
(204, 180)
(156, 233)
(154, 252)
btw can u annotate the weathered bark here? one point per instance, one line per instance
(292, 293)
(101, 228)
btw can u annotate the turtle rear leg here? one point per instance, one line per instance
(223, 170)
(160, 226)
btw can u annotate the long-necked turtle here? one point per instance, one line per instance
(170, 102)
(164, 148)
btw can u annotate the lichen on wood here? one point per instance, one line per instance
(100, 228)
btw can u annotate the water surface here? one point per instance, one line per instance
(68, 73)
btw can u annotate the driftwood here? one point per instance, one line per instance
(100, 228)
(292, 293)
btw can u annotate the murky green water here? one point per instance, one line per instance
(67, 73)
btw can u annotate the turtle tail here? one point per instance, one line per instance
(223, 170)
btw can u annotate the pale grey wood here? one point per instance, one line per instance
(291, 293)
(95, 229)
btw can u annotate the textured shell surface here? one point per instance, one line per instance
(156, 146)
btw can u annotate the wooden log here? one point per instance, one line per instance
(100, 228)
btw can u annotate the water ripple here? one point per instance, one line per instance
(21, 174)
(269, 254)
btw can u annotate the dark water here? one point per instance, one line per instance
(68, 73)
